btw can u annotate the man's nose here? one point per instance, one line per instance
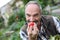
(32, 19)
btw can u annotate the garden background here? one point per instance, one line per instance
(12, 16)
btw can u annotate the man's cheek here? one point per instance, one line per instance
(27, 19)
(37, 18)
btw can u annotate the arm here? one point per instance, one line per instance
(23, 35)
(57, 23)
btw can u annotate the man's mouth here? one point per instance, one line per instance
(31, 24)
(32, 21)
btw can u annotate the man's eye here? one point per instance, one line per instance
(36, 15)
(28, 15)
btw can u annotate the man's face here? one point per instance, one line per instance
(32, 13)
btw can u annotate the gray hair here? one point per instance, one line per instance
(34, 2)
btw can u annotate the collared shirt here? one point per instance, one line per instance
(23, 35)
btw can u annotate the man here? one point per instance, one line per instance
(44, 26)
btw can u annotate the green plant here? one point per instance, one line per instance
(21, 14)
(1, 22)
(15, 36)
(55, 37)
(16, 26)
(11, 19)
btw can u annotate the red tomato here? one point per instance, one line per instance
(31, 24)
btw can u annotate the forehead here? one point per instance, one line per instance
(32, 8)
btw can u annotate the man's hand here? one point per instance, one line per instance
(32, 32)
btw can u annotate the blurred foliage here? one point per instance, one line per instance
(19, 16)
(59, 17)
(56, 37)
(15, 36)
(43, 3)
(44, 12)
(11, 19)
(1, 22)
(17, 19)
(16, 26)
(1, 19)
(25, 1)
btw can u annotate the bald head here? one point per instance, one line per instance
(32, 8)
(34, 2)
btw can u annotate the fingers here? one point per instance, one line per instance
(35, 27)
(29, 30)
(36, 31)
(32, 33)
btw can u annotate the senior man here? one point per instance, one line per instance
(43, 27)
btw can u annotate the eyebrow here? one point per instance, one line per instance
(35, 14)
(28, 14)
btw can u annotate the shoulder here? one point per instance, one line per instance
(47, 16)
(50, 18)
(23, 33)
(47, 19)
(24, 27)
(57, 23)
(53, 21)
